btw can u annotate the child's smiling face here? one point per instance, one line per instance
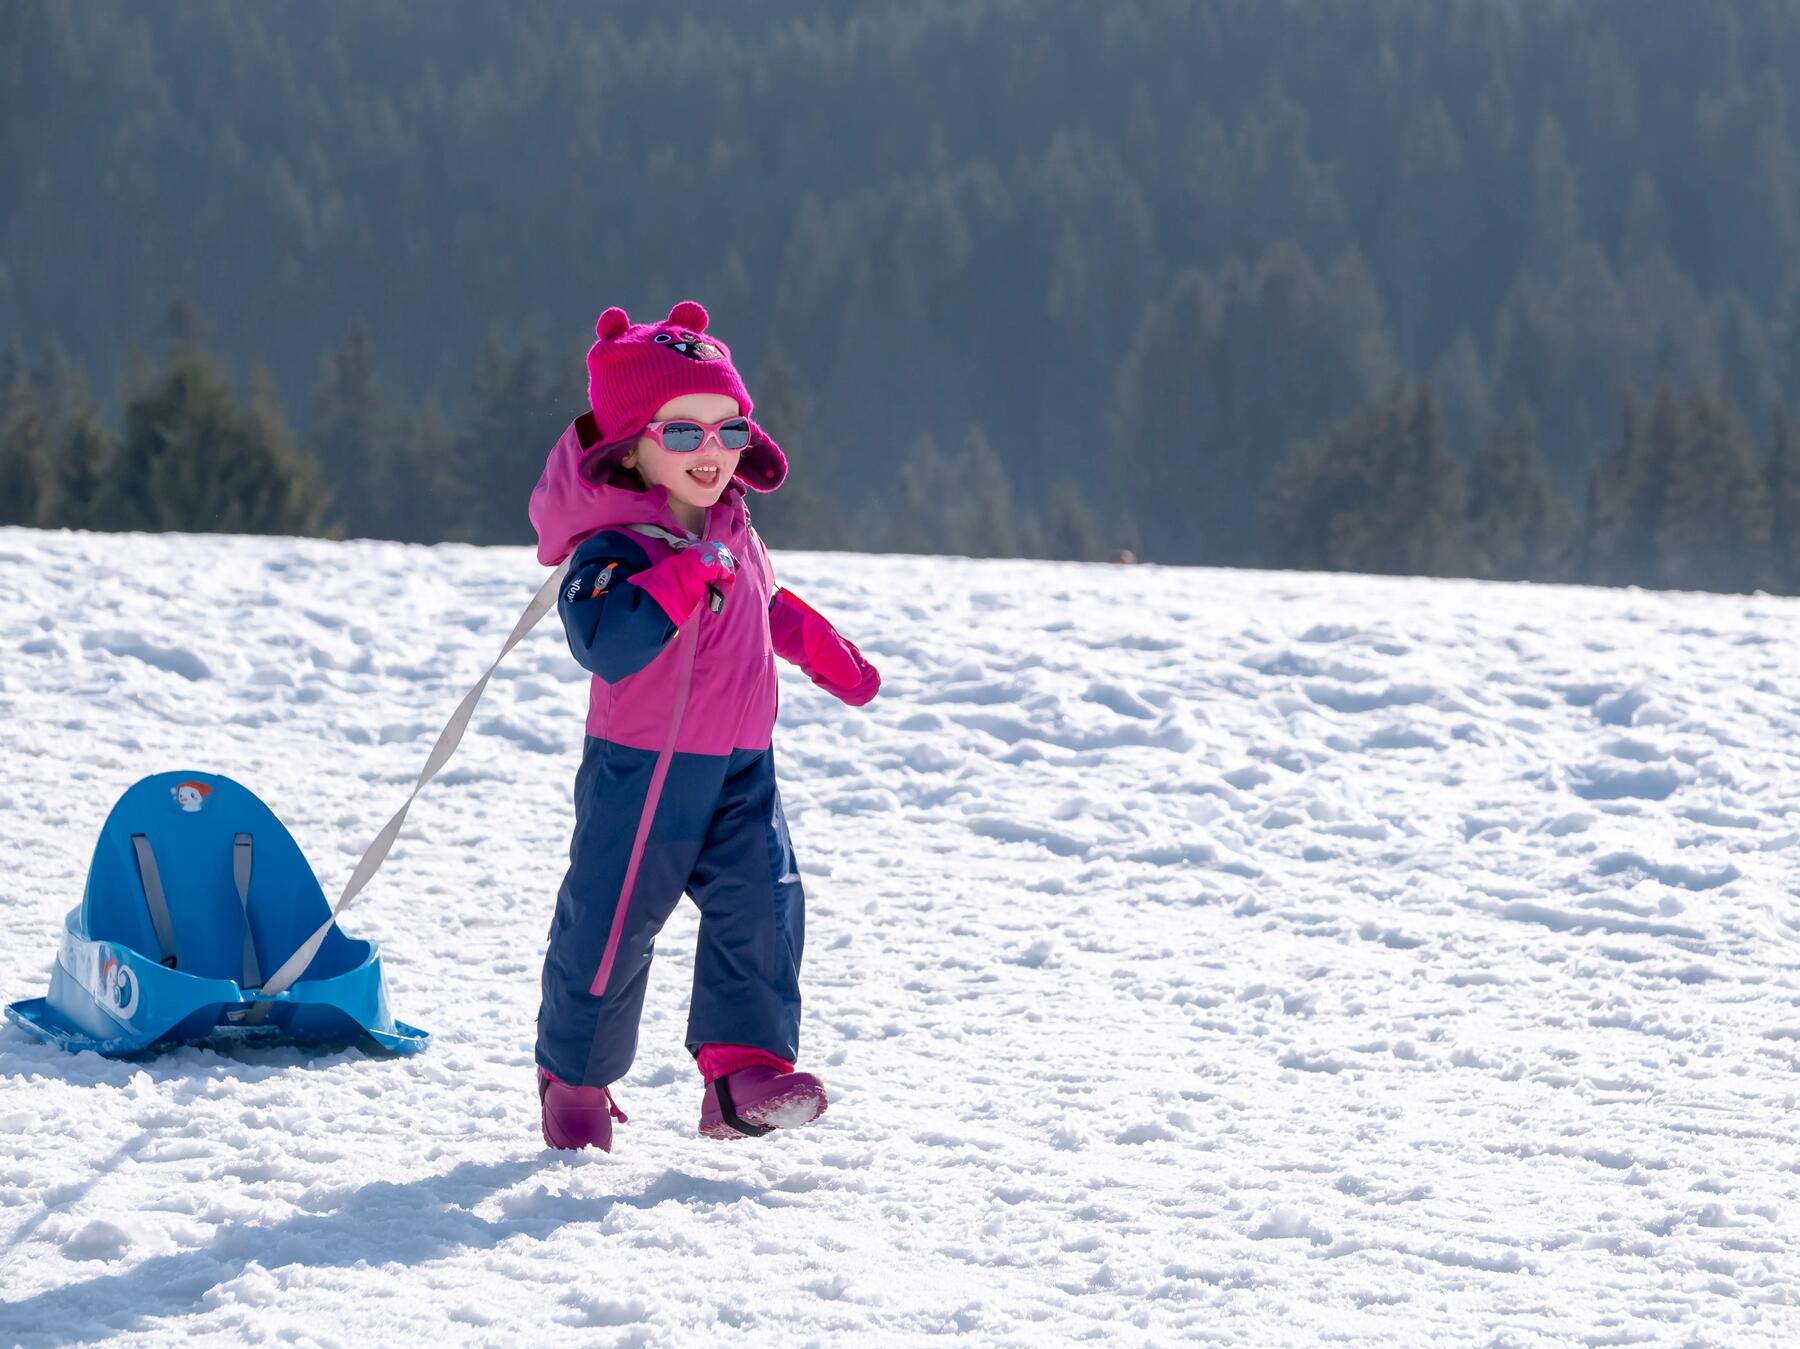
(677, 472)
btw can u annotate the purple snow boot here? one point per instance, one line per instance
(577, 1117)
(757, 1100)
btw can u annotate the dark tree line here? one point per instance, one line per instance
(192, 455)
(1682, 497)
(1009, 275)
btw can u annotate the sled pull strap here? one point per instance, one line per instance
(240, 872)
(154, 897)
(376, 853)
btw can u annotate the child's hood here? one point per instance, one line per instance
(566, 508)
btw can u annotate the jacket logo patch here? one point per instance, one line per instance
(573, 591)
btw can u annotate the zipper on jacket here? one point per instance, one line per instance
(603, 975)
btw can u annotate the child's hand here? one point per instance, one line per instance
(803, 636)
(680, 584)
(715, 561)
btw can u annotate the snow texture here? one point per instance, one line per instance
(1193, 956)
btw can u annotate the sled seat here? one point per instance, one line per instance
(195, 893)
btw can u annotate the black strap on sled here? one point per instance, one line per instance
(154, 897)
(729, 1111)
(241, 846)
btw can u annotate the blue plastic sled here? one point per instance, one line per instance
(196, 894)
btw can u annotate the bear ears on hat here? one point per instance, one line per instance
(687, 313)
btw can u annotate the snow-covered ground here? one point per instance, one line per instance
(1192, 956)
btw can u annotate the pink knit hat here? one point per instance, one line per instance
(634, 368)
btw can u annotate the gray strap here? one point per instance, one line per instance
(658, 532)
(376, 853)
(240, 872)
(153, 895)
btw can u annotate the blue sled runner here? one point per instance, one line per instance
(196, 894)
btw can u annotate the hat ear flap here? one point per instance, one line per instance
(613, 322)
(763, 466)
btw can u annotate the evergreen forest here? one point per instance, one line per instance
(1492, 288)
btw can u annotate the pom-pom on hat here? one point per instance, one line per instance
(634, 368)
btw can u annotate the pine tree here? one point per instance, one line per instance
(292, 499)
(955, 505)
(26, 480)
(1611, 551)
(1461, 390)
(1518, 528)
(1628, 495)
(1593, 508)
(1425, 503)
(982, 514)
(512, 417)
(1309, 488)
(191, 459)
(1781, 477)
(62, 386)
(1070, 530)
(12, 363)
(1714, 532)
(350, 435)
(1648, 501)
(1223, 368)
(422, 482)
(803, 512)
(911, 519)
(1375, 492)
(1784, 334)
(82, 468)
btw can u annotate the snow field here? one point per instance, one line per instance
(1192, 956)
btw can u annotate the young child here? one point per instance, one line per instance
(671, 603)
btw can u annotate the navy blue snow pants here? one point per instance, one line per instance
(719, 834)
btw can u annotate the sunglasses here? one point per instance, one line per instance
(684, 436)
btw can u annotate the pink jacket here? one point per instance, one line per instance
(731, 695)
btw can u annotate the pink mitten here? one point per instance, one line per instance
(802, 636)
(680, 583)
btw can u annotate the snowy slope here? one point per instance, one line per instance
(1193, 956)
